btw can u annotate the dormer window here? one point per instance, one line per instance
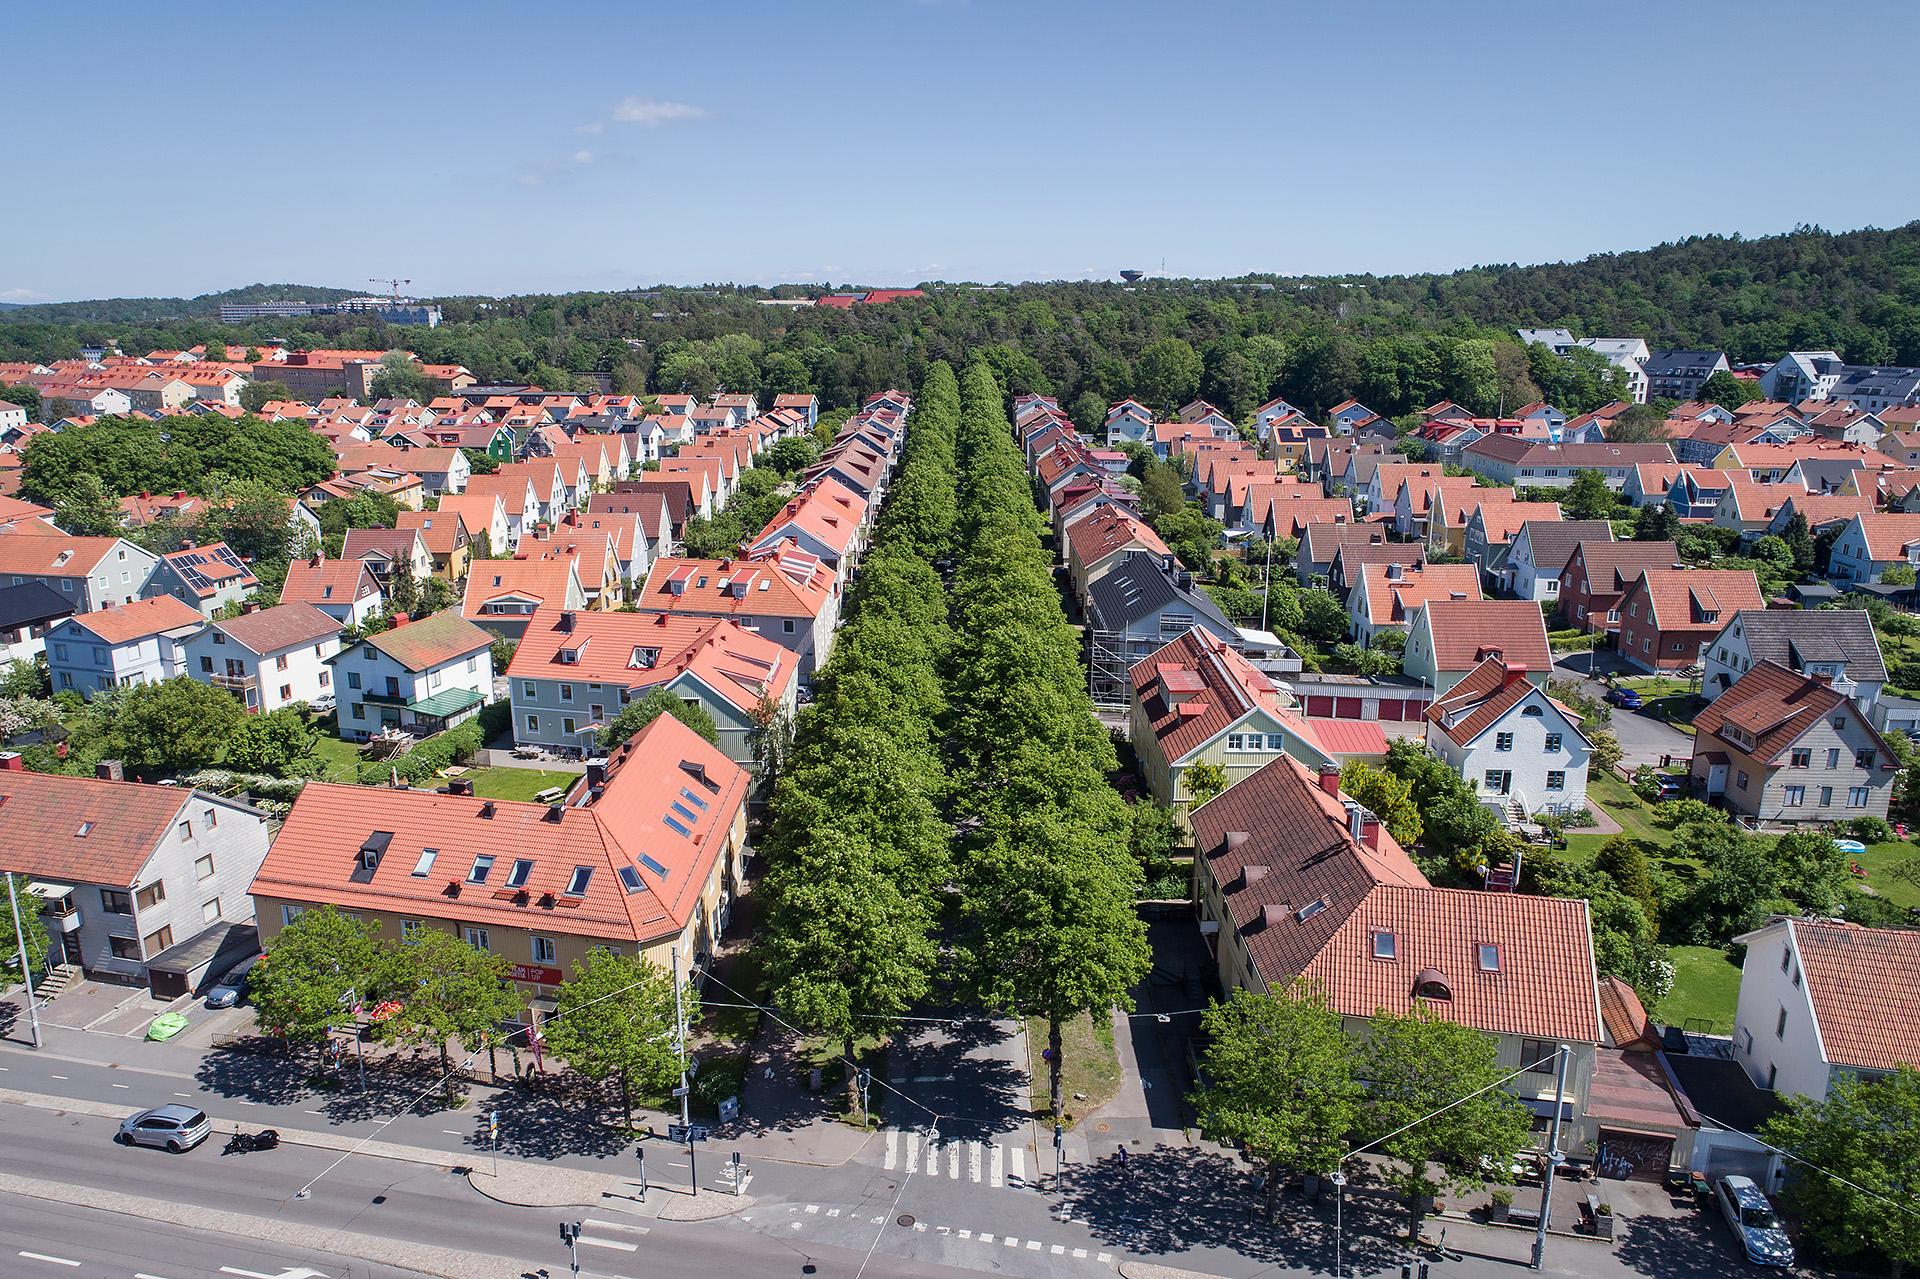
(1488, 957)
(1431, 984)
(1385, 945)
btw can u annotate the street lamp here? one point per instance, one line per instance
(26, 966)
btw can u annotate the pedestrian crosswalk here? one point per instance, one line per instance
(980, 1162)
(619, 1236)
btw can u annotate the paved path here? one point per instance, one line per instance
(1643, 739)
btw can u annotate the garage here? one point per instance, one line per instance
(185, 968)
(1346, 707)
(1320, 707)
(1628, 1155)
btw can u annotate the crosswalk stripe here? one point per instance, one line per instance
(913, 1151)
(893, 1148)
(996, 1174)
(953, 1161)
(1019, 1157)
(973, 1161)
(933, 1159)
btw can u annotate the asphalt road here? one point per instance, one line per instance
(1643, 739)
(374, 1197)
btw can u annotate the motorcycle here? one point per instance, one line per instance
(242, 1143)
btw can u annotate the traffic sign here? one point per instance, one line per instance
(686, 1132)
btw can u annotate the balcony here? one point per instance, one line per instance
(383, 697)
(235, 683)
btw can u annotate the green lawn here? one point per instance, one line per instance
(1706, 986)
(1893, 871)
(1617, 798)
(341, 759)
(1092, 1064)
(515, 783)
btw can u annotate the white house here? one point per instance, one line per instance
(120, 646)
(1821, 1001)
(343, 589)
(271, 658)
(1510, 741)
(1539, 552)
(1127, 421)
(93, 572)
(1871, 544)
(421, 676)
(1802, 375)
(1836, 644)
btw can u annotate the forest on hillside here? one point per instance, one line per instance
(1395, 342)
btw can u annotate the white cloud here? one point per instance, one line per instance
(21, 295)
(651, 111)
(583, 157)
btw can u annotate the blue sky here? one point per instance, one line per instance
(495, 148)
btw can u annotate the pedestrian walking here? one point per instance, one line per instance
(1123, 1160)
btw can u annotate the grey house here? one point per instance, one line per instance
(1147, 600)
(126, 872)
(1679, 375)
(1837, 645)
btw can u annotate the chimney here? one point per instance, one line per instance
(1330, 778)
(460, 786)
(1272, 915)
(109, 770)
(1511, 675)
(1396, 572)
(565, 624)
(596, 773)
(246, 608)
(1370, 831)
(315, 561)
(401, 619)
(1235, 838)
(10, 762)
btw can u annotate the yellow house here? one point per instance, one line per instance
(1196, 701)
(445, 535)
(642, 857)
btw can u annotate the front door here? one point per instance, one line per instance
(1499, 781)
(70, 949)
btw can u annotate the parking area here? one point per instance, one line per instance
(104, 1008)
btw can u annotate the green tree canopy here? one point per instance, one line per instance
(299, 990)
(448, 989)
(173, 726)
(614, 1019)
(1856, 1166)
(651, 705)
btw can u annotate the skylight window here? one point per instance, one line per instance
(424, 867)
(518, 872)
(673, 823)
(481, 868)
(653, 866)
(1311, 909)
(86, 828)
(1489, 957)
(630, 879)
(694, 799)
(684, 811)
(1385, 945)
(578, 881)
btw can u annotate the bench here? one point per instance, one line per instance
(1528, 1217)
(551, 794)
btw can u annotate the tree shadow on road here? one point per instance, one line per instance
(267, 1079)
(966, 1072)
(1172, 1199)
(1677, 1247)
(564, 1115)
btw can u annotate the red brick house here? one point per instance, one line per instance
(1668, 614)
(1598, 574)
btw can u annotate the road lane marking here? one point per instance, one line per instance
(1080, 1254)
(933, 1157)
(973, 1161)
(1033, 1245)
(1019, 1156)
(953, 1162)
(1058, 1249)
(304, 1112)
(59, 1077)
(142, 1275)
(244, 1274)
(41, 1256)
(997, 1171)
(123, 1085)
(893, 1149)
(450, 1132)
(183, 1094)
(610, 1243)
(1011, 1242)
(1106, 1257)
(913, 1151)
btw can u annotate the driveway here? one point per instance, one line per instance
(1643, 739)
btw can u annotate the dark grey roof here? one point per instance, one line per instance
(1140, 586)
(1554, 541)
(1824, 474)
(1885, 383)
(1720, 1089)
(1668, 361)
(31, 603)
(1794, 637)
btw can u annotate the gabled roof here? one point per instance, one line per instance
(441, 531)
(395, 544)
(1612, 566)
(734, 587)
(269, 630)
(1850, 973)
(1141, 585)
(32, 552)
(544, 580)
(30, 604)
(1887, 536)
(1552, 541)
(323, 581)
(123, 623)
(1194, 688)
(649, 839)
(86, 830)
(1794, 637)
(430, 641)
(1393, 590)
(1484, 697)
(208, 569)
(1773, 706)
(1100, 533)
(640, 650)
(1322, 541)
(1692, 598)
(1465, 632)
(1306, 899)
(1499, 521)
(1523, 452)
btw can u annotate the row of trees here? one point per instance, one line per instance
(614, 1017)
(859, 850)
(1047, 884)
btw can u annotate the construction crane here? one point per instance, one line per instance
(393, 285)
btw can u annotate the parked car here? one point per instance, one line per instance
(232, 988)
(178, 1128)
(1756, 1227)
(1671, 787)
(1626, 698)
(322, 705)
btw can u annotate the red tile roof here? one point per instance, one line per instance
(1100, 533)
(1693, 598)
(734, 587)
(1305, 898)
(1773, 707)
(640, 650)
(120, 623)
(1212, 687)
(45, 814)
(317, 853)
(1887, 536)
(430, 641)
(322, 581)
(283, 626)
(1465, 632)
(1860, 980)
(1390, 600)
